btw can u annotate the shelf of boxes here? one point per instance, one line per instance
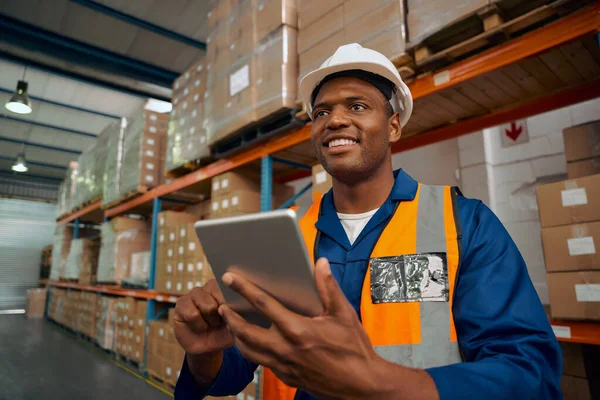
(117, 291)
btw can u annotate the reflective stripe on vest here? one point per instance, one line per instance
(417, 334)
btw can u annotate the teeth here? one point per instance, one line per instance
(341, 142)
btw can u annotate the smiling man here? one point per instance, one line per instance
(425, 294)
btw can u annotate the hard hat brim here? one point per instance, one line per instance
(312, 79)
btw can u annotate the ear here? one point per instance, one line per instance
(395, 128)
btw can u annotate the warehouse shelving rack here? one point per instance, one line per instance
(567, 48)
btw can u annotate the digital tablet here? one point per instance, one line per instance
(268, 250)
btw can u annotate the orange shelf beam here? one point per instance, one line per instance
(577, 332)
(219, 167)
(584, 22)
(80, 213)
(565, 98)
(138, 294)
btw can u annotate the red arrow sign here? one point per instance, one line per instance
(514, 132)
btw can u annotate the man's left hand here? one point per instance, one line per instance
(329, 356)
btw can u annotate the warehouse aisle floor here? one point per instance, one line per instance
(40, 361)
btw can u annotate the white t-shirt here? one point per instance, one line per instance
(354, 223)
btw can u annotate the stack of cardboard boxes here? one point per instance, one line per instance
(252, 63)
(36, 303)
(181, 264)
(86, 313)
(582, 150)
(570, 219)
(324, 25)
(90, 171)
(82, 261)
(121, 237)
(106, 321)
(321, 182)
(140, 268)
(131, 328)
(165, 355)
(186, 136)
(63, 307)
(238, 192)
(63, 235)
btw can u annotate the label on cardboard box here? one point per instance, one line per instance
(169, 268)
(150, 166)
(239, 80)
(215, 185)
(152, 116)
(161, 332)
(125, 318)
(255, 379)
(150, 153)
(225, 183)
(321, 177)
(581, 246)
(151, 141)
(161, 238)
(192, 246)
(235, 201)
(140, 321)
(198, 283)
(225, 203)
(179, 286)
(149, 178)
(137, 339)
(240, 396)
(190, 267)
(181, 250)
(168, 285)
(215, 205)
(248, 397)
(190, 285)
(574, 197)
(170, 253)
(587, 293)
(200, 266)
(180, 266)
(168, 371)
(172, 236)
(182, 232)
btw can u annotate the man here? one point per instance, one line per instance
(425, 294)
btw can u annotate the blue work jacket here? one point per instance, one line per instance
(509, 347)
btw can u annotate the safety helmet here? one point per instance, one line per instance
(355, 57)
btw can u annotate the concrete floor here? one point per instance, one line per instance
(41, 361)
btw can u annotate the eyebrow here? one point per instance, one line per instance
(349, 99)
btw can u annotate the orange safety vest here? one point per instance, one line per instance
(407, 294)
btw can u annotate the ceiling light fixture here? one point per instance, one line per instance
(20, 164)
(19, 103)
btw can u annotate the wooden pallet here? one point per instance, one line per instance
(491, 26)
(154, 378)
(130, 195)
(253, 134)
(188, 167)
(131, 363)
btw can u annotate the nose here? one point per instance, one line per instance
(338, 119)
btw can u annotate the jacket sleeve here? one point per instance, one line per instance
(505, 336)
(235, 374)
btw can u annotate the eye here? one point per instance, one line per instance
(320, 113)
(358, 107)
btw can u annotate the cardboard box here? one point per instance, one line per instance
(271, 14)
(569, 202)
(321, 180)
(328, 24)
(314, 57)
(582, 141)
(174, 218)
(572, 247)
(36, 303)
(575, 388)
(425, 18)
(579, 169)
(574, 295)
(309, 11)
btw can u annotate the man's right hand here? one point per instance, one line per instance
(201, 332)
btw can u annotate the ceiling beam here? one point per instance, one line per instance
(112, 12)
(50, 69)
(77, 52)
(42, 125)
(39, 145)
(36, 163)
(48, 178)
(58, 104)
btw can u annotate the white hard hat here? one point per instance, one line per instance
(355, 57)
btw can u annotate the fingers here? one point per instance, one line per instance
(187, 313)
(263, 302)
(254, 342)
(331, 294)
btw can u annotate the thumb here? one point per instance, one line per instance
(331, 294)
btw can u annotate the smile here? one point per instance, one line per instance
(341, 142)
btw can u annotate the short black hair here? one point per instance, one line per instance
(385, 86)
